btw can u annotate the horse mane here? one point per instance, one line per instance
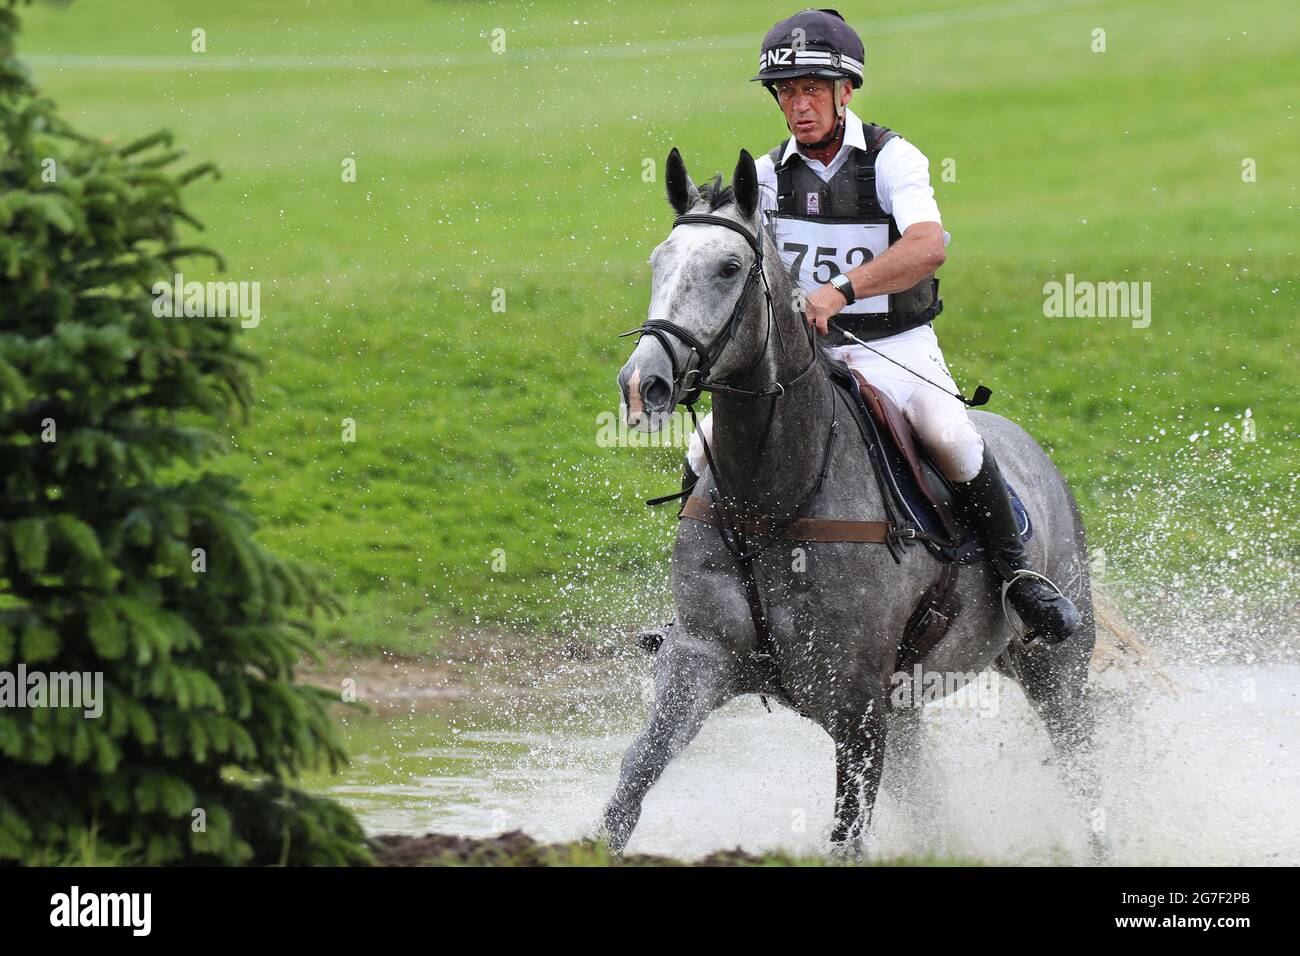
(716, 194)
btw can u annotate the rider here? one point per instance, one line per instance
(852, 211)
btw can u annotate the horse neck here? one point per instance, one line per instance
(773, 476)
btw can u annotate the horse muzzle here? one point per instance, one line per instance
(647, 386)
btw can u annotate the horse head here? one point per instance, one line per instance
(710, 303)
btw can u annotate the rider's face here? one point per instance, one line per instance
(808, 106)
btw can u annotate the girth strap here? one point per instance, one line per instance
(801, 529)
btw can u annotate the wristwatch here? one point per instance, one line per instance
(842, 283)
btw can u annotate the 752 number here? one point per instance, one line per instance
(823, 256)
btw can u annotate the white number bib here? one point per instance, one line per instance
(816, 251)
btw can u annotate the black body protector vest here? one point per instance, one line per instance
(825, 228)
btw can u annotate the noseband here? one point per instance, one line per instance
(696, 379)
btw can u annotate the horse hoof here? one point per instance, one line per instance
(651, 639)
(848, 852)
(1099, 849)
(616, 827)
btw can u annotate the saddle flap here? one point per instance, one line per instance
(918, 485)
(921, 471)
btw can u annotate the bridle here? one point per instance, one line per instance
(730, 520)
(695, 379)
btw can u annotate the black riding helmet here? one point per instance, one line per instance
(812, 43)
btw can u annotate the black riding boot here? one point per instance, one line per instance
(652, 637)
(985, 503)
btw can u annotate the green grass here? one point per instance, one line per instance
(476, 429)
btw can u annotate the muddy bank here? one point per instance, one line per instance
(517, 848)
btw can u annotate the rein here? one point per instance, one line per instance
(733, 526)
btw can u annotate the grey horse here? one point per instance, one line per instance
(835, 610)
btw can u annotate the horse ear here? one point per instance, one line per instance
(682, 194)
(744, 185)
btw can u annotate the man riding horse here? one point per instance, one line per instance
(851, 209)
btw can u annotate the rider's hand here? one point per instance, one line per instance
(822, 306)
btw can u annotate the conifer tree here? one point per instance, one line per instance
(119, 553)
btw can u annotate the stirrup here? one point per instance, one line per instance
(1006, 586)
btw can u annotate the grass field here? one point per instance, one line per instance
(522, 171)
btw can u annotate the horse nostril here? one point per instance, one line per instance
(656, 392)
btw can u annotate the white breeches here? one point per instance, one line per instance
(940, 420)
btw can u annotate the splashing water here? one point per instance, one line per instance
(1204, 774)
(1195, 738)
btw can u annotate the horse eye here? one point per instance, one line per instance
(729, 268)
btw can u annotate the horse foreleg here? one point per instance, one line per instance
(693, 677)
(859, 760)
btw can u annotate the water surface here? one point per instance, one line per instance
(1207, 776)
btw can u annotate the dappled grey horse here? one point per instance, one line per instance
(835, 615)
